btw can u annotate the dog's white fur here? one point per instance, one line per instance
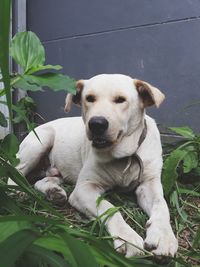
(96, 170)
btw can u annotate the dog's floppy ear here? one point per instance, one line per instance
(68, 103)
(76, 99)
(149, 94)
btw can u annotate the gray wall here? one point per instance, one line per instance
(157, 41)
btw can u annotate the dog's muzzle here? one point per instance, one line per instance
(98, 126)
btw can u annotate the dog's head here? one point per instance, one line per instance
(113, 106)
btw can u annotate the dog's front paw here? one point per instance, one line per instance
(57, 196)
(53, 192)
(160, 239)
(128, 242)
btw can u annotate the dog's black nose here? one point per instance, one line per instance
(98, 125)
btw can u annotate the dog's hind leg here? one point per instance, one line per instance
(50, 186)
(33, 148)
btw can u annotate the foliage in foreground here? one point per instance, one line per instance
(183, 159)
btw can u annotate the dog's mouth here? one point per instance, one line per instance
(101, 143)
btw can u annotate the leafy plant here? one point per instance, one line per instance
(184, 159)
(27, 50)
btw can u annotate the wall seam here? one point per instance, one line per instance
(122, 29)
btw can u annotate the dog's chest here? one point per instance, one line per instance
(123, 173)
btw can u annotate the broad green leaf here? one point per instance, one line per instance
(169, 175)
(9, 228)
(190, 161)
(23, 84)
(44, 67)
(183, 131)
(56, 244)
(106, 253)
(13, 247)
(54, 81)
(10, 144)
(3, 121)
(30, 260)
(80, 251)
(5, 6)
(32, 218)
(27, 50)
(48, 256)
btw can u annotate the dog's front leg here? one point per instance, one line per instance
(160, 238)
(84, 198)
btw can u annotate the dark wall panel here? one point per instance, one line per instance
(64, 18)
(166, 55)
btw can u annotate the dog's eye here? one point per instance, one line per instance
(90, 98)
(119, 99)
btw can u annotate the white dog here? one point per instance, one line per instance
(114, 144)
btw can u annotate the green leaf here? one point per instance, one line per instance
(10, 146)
(30, 260)
(106, 254)
(54, 81)
(169, 175)
(27, 50)
(49, 257)
(183, 131)
(56, 244)
(190, 161)
(23, 84)
(80, 251)
(44, 67)
(13, 247)
(3, 121)
(31, 218)
(9, 228)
